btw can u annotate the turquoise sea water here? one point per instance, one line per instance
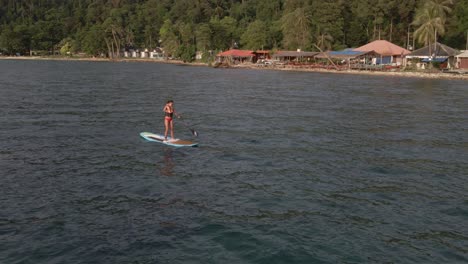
(292, 167)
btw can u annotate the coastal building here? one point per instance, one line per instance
(157, 53)
(462, 60)
(389, 52)
(144, 54)
(235, 56)
(262, 55)
(294, 56)
(435, 52)
(352, 59)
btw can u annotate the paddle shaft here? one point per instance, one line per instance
(195, 133)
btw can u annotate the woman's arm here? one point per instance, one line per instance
(175, 113)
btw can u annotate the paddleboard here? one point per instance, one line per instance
(171, 142)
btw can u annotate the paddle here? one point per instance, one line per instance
(194, 133)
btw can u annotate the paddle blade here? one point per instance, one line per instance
(195, 133)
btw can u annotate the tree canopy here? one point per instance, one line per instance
(183, 27)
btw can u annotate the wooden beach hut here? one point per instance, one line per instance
(435, 52)
(389, 52)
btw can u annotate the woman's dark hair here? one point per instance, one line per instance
(170, 101)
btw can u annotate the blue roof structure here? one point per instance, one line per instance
(434, 60)
(347, 52)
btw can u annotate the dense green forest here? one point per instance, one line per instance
(183, 27)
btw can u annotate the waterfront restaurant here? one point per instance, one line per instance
(235, 56)
(294, 56)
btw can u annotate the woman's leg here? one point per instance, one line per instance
(166, 126)
(172, 129)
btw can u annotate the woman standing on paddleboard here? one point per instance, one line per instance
(168, 123)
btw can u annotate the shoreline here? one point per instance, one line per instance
(408, 74)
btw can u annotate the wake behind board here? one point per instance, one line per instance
(160, 139)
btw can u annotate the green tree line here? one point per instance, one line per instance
(183, 27)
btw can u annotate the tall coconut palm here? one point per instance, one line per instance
(430, 19)
(429, 22)
(441, 7)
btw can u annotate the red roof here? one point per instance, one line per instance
(384, 48)
(236, 53)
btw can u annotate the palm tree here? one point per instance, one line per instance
(429, 23)
(441, 7)
(296, 28)
(431, 18)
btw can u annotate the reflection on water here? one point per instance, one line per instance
(166, 166)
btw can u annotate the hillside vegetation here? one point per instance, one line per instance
(183, 27)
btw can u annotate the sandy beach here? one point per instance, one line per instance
(409, 74)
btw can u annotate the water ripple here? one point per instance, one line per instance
(292, 167)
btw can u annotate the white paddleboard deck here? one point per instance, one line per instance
(171, 142)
